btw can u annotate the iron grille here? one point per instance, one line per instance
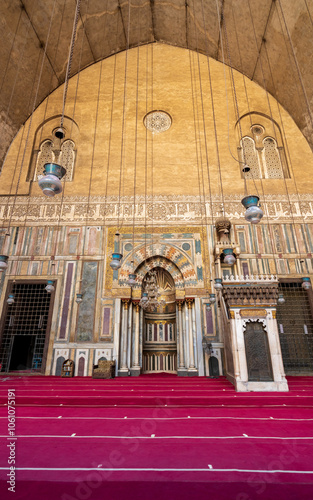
(295, 324)
(24, 327)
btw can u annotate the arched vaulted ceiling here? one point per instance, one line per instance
(270, 41)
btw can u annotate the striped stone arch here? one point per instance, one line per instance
(168, 257)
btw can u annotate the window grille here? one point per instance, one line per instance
(272, 159)
(45, 155)
(27, 317)
(67, 158)
(261, 148)
(295, 327)
(250, 158)
(49, 154)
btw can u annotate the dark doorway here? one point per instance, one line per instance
(22, 352)
(213, 367)
(25, 327)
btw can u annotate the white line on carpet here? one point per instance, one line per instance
(166, 418)
(52, 436)
(139, 469)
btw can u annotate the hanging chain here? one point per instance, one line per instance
(70, 58)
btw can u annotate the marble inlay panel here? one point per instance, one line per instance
(85, 323)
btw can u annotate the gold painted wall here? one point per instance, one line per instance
(174, 80)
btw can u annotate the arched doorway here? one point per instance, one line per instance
(257, 352)
(159, 332)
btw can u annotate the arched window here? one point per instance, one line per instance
(249, 158)
(67, 158)
(261, 150)
(64, 155)
(48, 147)
(272, 159)
(45, 155)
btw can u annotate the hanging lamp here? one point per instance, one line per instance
(116, 256)
(281, 299)
(132, 276)
(218, 285)
(50, 286)
(253, 212)
(132, 279)
(144, 300)
(212, 298)
(50, 183)
(3, 262)
(229, 257)
(306, 283)
(10, 299)
(59, 133)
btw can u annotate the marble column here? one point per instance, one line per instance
(135, 369)
(192, 369)
(182, 370)
(123, 371)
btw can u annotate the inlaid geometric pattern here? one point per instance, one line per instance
(161, 255)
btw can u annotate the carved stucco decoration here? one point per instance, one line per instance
(223, 226)
(170, 258)
(251, 294)
(165, 209)
(259, 320)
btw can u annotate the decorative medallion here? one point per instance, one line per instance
(157, 121)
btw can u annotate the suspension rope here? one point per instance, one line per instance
(199, 156)
(122, 159)
(70, 58)
(31, 116)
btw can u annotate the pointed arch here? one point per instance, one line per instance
(166, 256)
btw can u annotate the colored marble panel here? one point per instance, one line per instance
(73, 244)
(209, 321)
(2, 277)
(66, 300)
(106, 322)
(242, 242)
(81, 367)
(85, 322)
(200, 273)
(198, 246)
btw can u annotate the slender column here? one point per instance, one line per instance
(124, 336)
(180, 327)
(135, 369)
(191, 350)
(219, 267)
(136, 354)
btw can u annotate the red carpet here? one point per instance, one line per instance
(157, 437)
